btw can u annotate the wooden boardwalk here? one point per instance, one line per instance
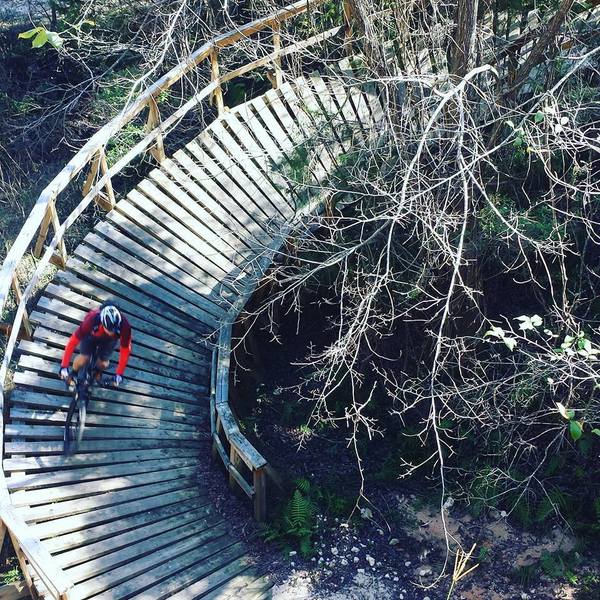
(126, 516)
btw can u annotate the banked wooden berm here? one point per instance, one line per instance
(127, 516)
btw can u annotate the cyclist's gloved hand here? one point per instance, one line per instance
(118, 379)
(64, 373)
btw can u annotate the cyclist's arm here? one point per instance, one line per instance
(125, 349)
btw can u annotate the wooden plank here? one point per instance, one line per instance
(96, 458)
(331, 111)
(297, 132)
(36, 348)
(238, 220)
(213, 554)
(17, 483)
(196, 234)
(92, 494)
(60, 339)
(340, 95)
(117, 549)
(171, 276)
(45, 384)
(222, 157)
(235, 203)
(246, 584)
(144, 541)
(44, 448)
(116, 288)
(126, 519)
(41, 432)
(85, 520)
(141, 283)
(144, 333)
(196, 578)
(104, 499)
(47, 417)
(265, 200)
(129, 220)
(257, 154)
(37, 555)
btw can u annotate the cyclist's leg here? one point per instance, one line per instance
(80, 361)
(105, 349)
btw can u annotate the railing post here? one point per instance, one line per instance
(260, 495)
(348, 20)
(214, 76)
(235, 460)
(18, 297)
(43, 234)
(158, 150)
(99, 164)
(23, 564)
(60, 257)
(278, 79)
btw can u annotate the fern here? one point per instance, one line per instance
(299, 510)
(303, 485)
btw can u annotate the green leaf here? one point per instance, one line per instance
(497, 332)
(29, 34)
(596, 432)
(510, 343)
(40, 39)
(54, 39)
(575, 430)
(562, 410)
(539, 116)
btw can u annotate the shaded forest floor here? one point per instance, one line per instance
(395, 546)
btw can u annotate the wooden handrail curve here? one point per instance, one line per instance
(29, 550)
(222, 419)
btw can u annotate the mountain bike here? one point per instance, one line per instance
(81, 381)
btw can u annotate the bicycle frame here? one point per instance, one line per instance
(76, 415)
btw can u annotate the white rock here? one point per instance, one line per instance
(394, 542)
(370, 560)
(400, 596)
(334, 551)
(293, 564)
(395, 579)
(425, 571)
(293, 553)
(503, 514)
(387, 575)
(360, 570)
(354, 549)
(380, 531)
(407, 563)
(426, 598)
(344, 562)
(366, 513)
(355, 559)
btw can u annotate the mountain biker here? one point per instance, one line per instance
(101, 329)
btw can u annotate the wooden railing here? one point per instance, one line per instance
(34, 560)
(229, 443)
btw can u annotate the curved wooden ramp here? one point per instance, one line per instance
(127, 515)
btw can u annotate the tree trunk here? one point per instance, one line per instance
(462, 46)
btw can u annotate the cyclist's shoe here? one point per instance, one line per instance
(117, 380)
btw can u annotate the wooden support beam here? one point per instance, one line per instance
(348, 34)
(217, 96)
(99, 166)
(61, 250)
(158, 150)
(235, 461)
(278, 79)
(43, 234)
(26, 324)
(260, 495)
(24, 566)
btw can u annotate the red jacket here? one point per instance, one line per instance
(91, 325)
